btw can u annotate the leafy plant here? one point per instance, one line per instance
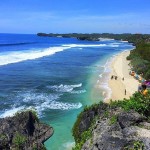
(35, 147)
(135, 145)
(33, 111)
(140, 58)
(106, 114)
(138, 102)
(19, 140)
(84, 137)
(113, 119)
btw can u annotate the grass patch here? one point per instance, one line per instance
(19, 140)
(137, 102)
(135, 145)
(113, 119)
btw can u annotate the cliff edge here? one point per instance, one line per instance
(23, 131)
(120, 125)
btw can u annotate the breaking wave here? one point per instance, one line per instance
(18, 56)
(58, 105)
(39, 102)
(11, 112)
(64, 88)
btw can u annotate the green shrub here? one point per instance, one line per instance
(75, 130)
(140, 59)
(113, 119)
(24, 112)
(135, 145)
(19, 140)
(84, 137)
(35, 147)
(147, 74)
(81, 138)
(138, 102)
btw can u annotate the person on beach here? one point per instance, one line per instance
(125, 92)
(139, 87)
(123, 78)
(112, 77)
(145, 91)
(116, 77)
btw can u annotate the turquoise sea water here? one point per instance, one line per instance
(55, 76)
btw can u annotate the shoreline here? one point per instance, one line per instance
(125, 85)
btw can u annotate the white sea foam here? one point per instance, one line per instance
(18, 56)
(58, 105)
(64, 88)
(107, 67)
(11, 112)
(105, 39)
(35, 98)
(78, 92)
(103, 79)
(113, 45)
(68, 145)
(84, 45)
(107, 90)
(117, 43)
(124, 41)
(42, 101)
(100, 75)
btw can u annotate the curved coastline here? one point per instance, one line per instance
(106, 89)
(125, 85)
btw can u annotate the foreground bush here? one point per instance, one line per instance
(137, 102)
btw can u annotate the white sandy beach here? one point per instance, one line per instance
(120, 68)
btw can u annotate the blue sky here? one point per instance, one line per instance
(78, 16)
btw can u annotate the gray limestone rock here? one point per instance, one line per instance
(23, 131)
(122, 133)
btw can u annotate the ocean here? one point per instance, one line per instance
(55, 76)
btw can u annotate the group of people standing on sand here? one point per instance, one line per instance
(142, 88)
(114, 77)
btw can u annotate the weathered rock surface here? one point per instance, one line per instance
(89, 115)
(23, 132)
(130, 129)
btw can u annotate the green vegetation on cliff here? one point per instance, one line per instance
(84, 125)
(137, 102)
(23, 131)
(140, 59)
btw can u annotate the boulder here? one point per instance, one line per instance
(23, 131)
(129, 130)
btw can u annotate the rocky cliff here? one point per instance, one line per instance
(102, 127)
(23, 132)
